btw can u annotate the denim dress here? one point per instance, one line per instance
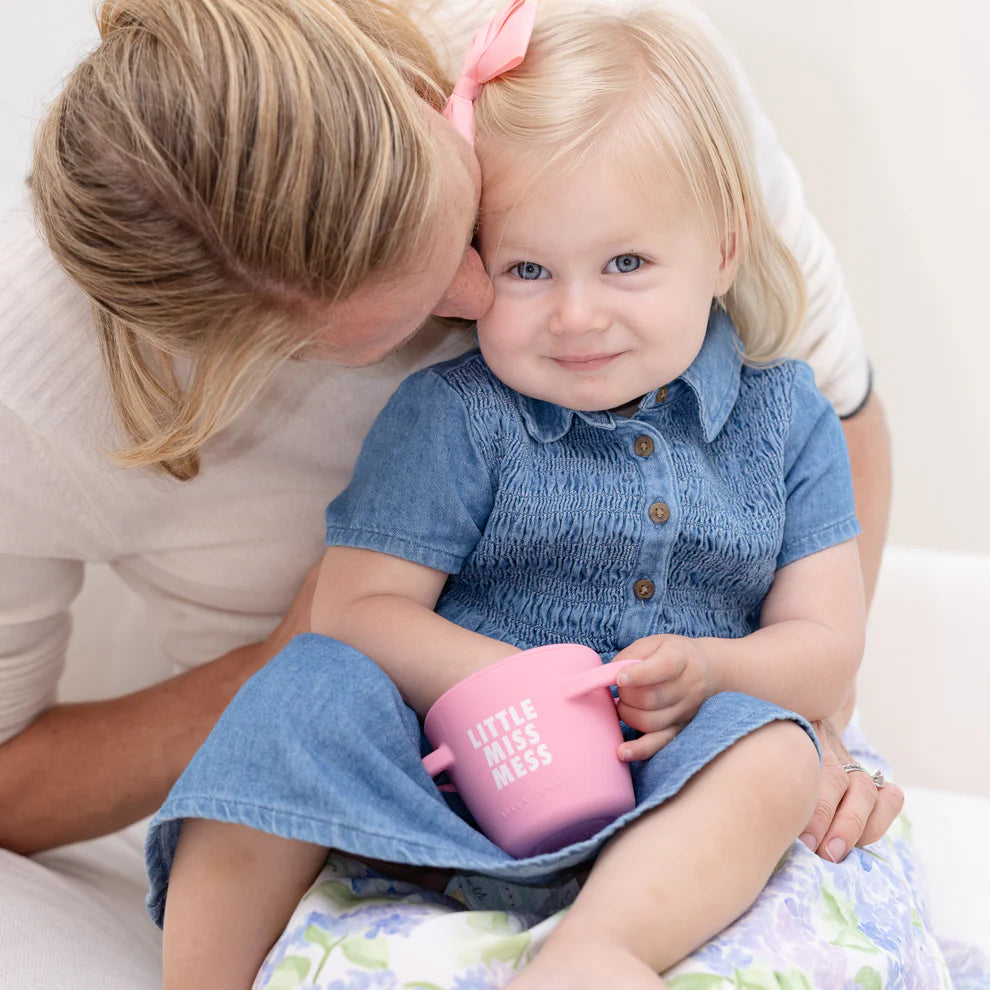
(555, 526)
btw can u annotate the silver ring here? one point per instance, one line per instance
(877, 776)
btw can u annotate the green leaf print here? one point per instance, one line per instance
(289, 973)
(317, 936)
(853, 938)
(867, 851)
(697, 981)
(747, 981)
(510, 949)
(491, 921)
(751, 978)
(868, 979)
(792, 980)
(338, 892)
(847, 935)
(371, 953)
(421, 986)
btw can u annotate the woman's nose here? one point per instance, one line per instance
(470, 292)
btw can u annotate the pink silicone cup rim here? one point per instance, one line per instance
(550, 647)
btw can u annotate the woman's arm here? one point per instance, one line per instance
(852, 811)
(383, 606)
(868, 440)
(83, 770)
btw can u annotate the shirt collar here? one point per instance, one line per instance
(714, 374)
(713, 377)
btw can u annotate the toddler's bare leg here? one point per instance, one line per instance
(681, 873)
(231, 892)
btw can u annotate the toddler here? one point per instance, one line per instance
(625, 462)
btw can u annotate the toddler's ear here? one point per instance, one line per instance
(729, 266)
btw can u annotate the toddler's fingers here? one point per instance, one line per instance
(647, 744)
(653, 696)
(639, 648)
(660, 666)
(651, 719)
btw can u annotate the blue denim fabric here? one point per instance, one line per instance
(541, 515)
(319, 746)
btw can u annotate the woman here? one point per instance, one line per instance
(232, 185)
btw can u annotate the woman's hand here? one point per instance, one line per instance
(851, 809)
(662, 693)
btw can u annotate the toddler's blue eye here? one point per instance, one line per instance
(529, 271)
(624, 263)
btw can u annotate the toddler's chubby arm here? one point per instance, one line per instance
(803, 657)
(383, 606)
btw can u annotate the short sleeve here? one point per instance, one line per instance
(421, 489)
(830, 339)
(820, 510)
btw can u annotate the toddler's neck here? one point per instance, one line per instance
(627, 409)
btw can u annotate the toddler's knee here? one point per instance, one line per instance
(796, 767)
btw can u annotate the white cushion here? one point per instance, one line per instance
(950, 831)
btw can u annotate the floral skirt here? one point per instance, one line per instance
(857, 925)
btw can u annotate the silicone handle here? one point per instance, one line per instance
(601, 676)
(442, 758)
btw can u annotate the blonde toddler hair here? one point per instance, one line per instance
(213, 174)
(651, 89)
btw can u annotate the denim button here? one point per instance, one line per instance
(644, 589)
(661, 395)
(643, 446)
(659, 512)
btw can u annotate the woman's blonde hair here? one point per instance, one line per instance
(651, 89)
(213, 174)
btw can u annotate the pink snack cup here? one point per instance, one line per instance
(531, 744)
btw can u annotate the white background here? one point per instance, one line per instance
(884, 106)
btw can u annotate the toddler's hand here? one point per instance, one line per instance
(661, 694)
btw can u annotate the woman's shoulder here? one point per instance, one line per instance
(50, 366)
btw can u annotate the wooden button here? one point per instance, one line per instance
(644, 589)
(659, 512)
(643, 446)
(661, 396)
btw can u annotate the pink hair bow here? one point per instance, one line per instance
(496, 48)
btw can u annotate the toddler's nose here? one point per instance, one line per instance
(575, 312)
